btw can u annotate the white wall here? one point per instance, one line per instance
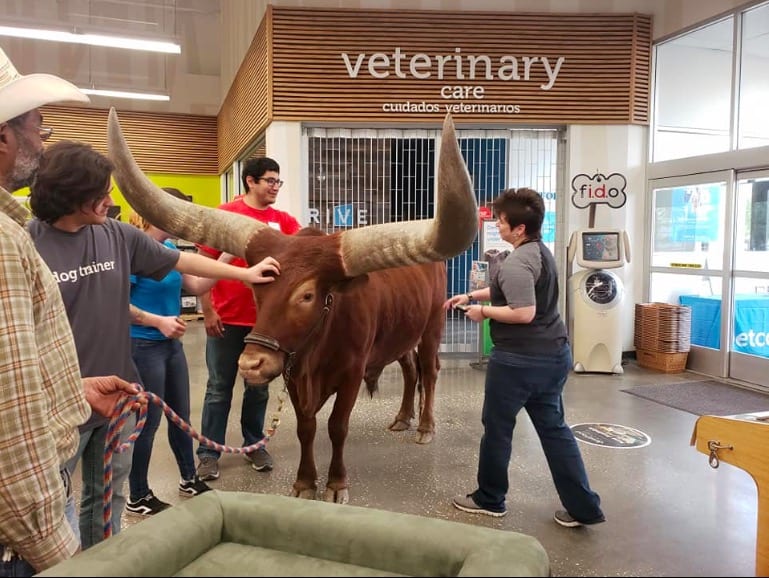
(614, 149)
(283, 142)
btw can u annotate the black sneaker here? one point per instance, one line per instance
(565, 519)
(149, 505)
(193, 487)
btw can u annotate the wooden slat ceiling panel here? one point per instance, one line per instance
(605, 77)
(245, 112)
(163, 143)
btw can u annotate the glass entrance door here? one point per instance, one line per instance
(710, 251)
(749, 354)
(690, 259)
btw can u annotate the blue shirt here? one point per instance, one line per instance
(159, 297)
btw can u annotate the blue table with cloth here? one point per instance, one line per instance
(751, 322)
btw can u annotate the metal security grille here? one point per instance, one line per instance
(360, 177)
(535, 162)
(364, 177)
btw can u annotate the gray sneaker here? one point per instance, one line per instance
(565, 519)
(260, 460)
(208, 469)
(467, 504)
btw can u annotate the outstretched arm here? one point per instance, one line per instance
(199, 266)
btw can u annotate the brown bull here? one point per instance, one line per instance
(345, 305)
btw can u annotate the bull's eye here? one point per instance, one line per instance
(308, 296)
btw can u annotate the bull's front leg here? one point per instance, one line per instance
(338, 426)
(305, 485)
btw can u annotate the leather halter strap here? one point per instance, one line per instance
(274, 345)
(265, 341)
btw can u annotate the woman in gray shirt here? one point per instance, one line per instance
(528, 367)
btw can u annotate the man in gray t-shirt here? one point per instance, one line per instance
(92, 266)
(92, 258)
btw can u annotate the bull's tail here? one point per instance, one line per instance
(372, 380)
(412, 372)
(420, 385)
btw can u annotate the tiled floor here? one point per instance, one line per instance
(668, 513)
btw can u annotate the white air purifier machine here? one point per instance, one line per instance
(595, 297)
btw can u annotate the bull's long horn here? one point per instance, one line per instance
(222, 230)
(448, 234)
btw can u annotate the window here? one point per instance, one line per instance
(754, 79)
(693, 86)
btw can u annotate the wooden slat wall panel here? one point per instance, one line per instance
(605, 79)
(238, 20)
(162, 143)
(246, 109)
(642, 57)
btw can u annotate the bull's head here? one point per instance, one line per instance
(313, 266)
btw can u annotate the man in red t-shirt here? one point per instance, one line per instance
(229, 314)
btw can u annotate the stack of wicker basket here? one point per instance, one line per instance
(662, 336)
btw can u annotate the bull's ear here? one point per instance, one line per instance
(353, 284)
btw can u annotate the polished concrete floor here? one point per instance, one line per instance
(668, 512)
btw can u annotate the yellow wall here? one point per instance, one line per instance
(203, 188)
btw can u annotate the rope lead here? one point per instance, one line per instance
(122, 413)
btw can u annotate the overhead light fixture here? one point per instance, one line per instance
(92, 39)
(126, 94)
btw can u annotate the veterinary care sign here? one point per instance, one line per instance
(460, 71)
(355, 65)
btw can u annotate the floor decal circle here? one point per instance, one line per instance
(610, 435)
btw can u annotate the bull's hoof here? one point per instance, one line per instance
(336, 496)
(399, 425)
(306, 494)
(424, 437)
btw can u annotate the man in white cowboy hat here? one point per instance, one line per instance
(42, 396)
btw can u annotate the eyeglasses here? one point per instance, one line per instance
(272, 182)
(45, 132)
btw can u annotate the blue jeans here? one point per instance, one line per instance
(91, 450)
(222, 355)
(163, 369)
(70, 512)
(533, 382)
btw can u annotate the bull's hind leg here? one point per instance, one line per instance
(410, 371)
(429, 365)
(338, 427)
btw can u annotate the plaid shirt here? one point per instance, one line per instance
(41, 398)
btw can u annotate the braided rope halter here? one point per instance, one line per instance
(123, 411)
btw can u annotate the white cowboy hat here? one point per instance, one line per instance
(20, 94)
